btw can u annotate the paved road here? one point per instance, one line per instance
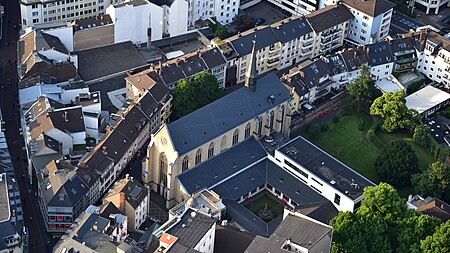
(401, 23)
(9, 102)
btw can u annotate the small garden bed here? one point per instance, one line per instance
(265, 207)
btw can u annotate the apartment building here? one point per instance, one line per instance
(330, 26)
(61, 195)
(184, 67)
(141, 20)
(434, 56)
(131, 198)
(189, 231)
(43, 55)
(297, 7)
(98, 229)
(45, 14)
(223, 11)
(287, 42)
(431, 6)
(371, 22)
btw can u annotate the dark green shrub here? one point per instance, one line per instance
(324, 128)
(336, 119)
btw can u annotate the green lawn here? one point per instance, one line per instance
(257, 204)
(344, 141)
(425, 158)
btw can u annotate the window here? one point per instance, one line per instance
(198, 156)
(296, 168)
(337, 199)
(163, 169)
(185, 164)
(236, 137)
(211, 150)
(223, 143)
(35, 13)
(247, 131)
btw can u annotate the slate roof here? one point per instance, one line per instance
(134, 191)
(370, 7)
(224, 114)
(286, 30)
(68, 119)
(213, 58)
(192, 65)
(326, 167)
(328, 17)
(312, 73)
(107, 60)
(193, 230)
(55, 43)
(298, 230)
(354, 58)
(380, 53)
(222, 166)
(401, 45)
(243, 45)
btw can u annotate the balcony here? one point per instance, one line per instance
(307, 45)
(274, 49)
(273, 56)
(271, 63)
(331, 33)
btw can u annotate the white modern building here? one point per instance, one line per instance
(141, 20)
(371, 22)
(434, 57)
(431, 6)
(46, 13)
(427, 100)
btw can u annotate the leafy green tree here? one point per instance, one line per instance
(222, 32)
(362, 89)
(413, 229)
(201, 90)
(438, 242)
(396, 162)
(391, 107)
(422, 136)
(435, 181)
(375, 225)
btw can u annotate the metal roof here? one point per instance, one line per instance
(426, 98)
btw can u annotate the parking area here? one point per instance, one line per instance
(440, 130)
(402, 24)
(267, 11)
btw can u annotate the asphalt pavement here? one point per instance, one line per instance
(9, 102)
(401, 24)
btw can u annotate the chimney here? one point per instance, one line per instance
(149, 37)
(108, 128)
(121, 201)
(66, 116)
(127, 176)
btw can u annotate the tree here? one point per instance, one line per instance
(422, 136)
(244, 21)
(222, 32)
(396, 162)
(435, 181)
(391, 107)
(201, 90)
(362, 89)
(413, 229)
(439, 241)
(383, 223)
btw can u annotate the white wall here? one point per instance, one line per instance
(65, 35)
(206, 244)
(79, 138)
(326, 189)
(178, 17)
(91, 125)
(65, 139)
(68, 96)
(382, 71)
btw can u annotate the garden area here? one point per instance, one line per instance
(346, 138)
(265, 207)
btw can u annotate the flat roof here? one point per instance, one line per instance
(326, 167)
(426, 98)
(388, 85)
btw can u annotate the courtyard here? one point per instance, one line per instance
(265, 206)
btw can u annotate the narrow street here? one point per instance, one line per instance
(9, 103)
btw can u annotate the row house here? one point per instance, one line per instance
(184, 67)
(61, 195)
(102, 166)
(287, 42)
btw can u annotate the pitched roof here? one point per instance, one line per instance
(134, 191)
(68, 119)
(379, 53)
(290, 29)
(224, 114)
(55, 43)
(311, 74)
(328, 17)
(213, 58)
(354, 58)
(370, 7)
(243, 45)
